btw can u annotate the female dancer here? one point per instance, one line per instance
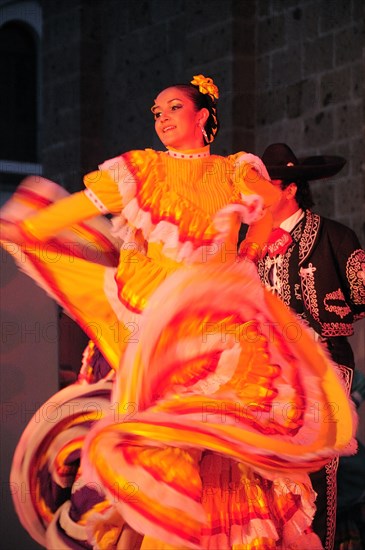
(216, 411)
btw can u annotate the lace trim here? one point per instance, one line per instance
(163, 215)
(95, 200)
(178, 155)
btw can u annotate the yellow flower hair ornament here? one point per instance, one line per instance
(206, 86)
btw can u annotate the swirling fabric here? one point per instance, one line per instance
(220, 401)
(45, 468)
(223, 377)
(213, 451)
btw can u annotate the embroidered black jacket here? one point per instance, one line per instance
(321, 276)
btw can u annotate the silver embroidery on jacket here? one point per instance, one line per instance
(355, 271)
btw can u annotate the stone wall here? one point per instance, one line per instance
(288, 70)
(104, 62)
(310, 93)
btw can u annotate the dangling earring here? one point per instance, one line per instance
(203, 132)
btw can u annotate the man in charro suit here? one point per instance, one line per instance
(317, 267)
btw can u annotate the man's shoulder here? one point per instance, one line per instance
(335, 225)
(336, 229)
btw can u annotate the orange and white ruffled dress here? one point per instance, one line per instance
(221, 403)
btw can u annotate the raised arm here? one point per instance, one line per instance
(251, 177)
(100, 197)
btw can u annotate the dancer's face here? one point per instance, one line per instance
(177, 121)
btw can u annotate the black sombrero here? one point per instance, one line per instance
(282, 164)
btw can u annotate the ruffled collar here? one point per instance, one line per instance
(202, 152)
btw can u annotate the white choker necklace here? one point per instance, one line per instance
(178, 155)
